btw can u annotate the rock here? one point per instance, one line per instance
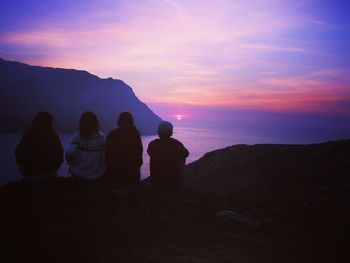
(231, 215)
(272, 169)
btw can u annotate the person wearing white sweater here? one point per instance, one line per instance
(85, 152)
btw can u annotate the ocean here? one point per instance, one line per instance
(198, 139)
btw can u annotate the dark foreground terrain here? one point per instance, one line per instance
(284, 203)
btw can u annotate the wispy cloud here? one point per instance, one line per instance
(232, 53)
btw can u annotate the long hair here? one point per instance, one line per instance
(88, 124)
(125, 120)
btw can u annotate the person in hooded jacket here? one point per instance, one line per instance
(124, 152)
(39, 153)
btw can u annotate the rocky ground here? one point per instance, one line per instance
(261, 203)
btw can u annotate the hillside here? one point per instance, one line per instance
(244, 203)
(66, 93)
(272, 168)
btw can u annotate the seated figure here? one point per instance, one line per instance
(85, 152)
(39, 153)
(124, 152)
(167, 159)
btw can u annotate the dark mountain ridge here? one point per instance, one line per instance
(66, 93)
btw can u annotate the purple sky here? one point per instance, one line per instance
(181, 56)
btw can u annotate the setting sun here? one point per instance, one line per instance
(179, 117)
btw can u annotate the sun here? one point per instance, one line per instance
(179, 117)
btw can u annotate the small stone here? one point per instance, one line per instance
(231, 215)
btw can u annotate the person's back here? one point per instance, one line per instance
(85, 152)
(167, 156)
(39, 151)
(124, 152)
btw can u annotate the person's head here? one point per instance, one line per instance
(165, 129)
(42, 121)
(88, 124)
(125, 120)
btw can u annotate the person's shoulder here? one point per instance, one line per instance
(125, 132)
(155, 141)
(113, 132)
(175, 141)
(152, 145)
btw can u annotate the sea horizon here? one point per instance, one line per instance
(199, 138)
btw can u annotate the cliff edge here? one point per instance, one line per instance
(66, 93)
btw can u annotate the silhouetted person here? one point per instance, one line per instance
(39, 153)
(85, 152)
(167, 159)
(124, 152)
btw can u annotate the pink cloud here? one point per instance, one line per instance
(196, 52)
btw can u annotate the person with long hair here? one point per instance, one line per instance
(85, 152)
(39, 153)
(124, 152)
